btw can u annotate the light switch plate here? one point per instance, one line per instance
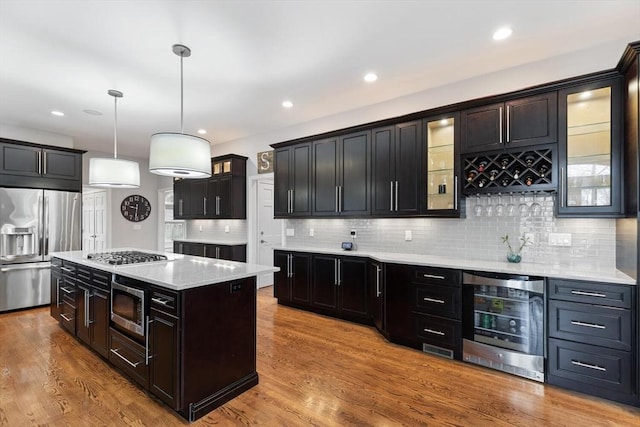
(560, 239)
(311, 232)
(290, 232)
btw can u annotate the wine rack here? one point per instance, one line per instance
(511, 171)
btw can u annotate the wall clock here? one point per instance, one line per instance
(135, 208)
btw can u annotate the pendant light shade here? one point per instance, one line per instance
(179, 154)
(114, 172)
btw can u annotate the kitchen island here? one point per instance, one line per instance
(183, 328)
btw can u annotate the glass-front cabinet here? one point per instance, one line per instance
(590, 150)
(442, 171)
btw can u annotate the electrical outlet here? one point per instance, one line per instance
(311, 232)
(408, 236)
(354, 234)
(199, 228)
(290, 232)
(560, 239)
(226, 229)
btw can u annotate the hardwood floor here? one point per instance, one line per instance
(313, 370)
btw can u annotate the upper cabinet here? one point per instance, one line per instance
(35, 166)
(292, 181)
(590, 149)
(396, 169)
(443, 170)
(222, 196)
(341, 174)
(516, 123)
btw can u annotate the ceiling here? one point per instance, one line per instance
(249, 56)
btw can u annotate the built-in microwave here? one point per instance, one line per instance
(128, 307)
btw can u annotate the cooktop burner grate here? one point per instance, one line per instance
(125, 257)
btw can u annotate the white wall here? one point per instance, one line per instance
(35, 136)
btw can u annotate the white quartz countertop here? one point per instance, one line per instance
(216, 241)
(575, 271)
(179, 272)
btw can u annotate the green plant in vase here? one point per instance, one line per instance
(513, 255)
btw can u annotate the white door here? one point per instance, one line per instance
(269, 230)
(94, 221)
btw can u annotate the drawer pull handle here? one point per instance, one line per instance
(67, 291)
(67, 269)
(160, 301)
(431, 331)
(588, 365)
(133, 365)
(588, 325)
(433, 276)
(64, 316)
(439, 301)
(589, 294)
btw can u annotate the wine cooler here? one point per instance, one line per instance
(503, 323)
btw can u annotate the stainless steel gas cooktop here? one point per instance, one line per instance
(125, 257)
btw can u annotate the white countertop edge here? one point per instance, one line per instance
(189, 272)
(574, 272)
(214, 241)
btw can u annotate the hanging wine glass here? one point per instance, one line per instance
(536, 209)
(523, 208)
(488, 209)
(499, 206)
(477, 209)
(510, 209)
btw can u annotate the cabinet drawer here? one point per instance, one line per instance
(437, 276)
(596, 366)
(68, 316)
(129, 356)
(68, 268)
(439, 300)
(438, 331)
(101, 279)
(164, 300)
(84, 275)
(590, 324)
(591, 292)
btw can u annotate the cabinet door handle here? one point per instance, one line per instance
(116, 352)
(589, 294)
(218, 252)
(335, 272)
(146, 342)
(508, 123)
(438, 301)
(204, 251)
(455, 192)
(433, 276)
(86, 308)
(391, 196)
(339, 272)
(396, 196)
(40, 162)
(291, 202)
(561, 187)
(340, 198)
(500, 125)
(431, 331)
(588, 325)
(204, 205)
(588, 365)
(217, 205)
(180, 206)
(378, 271)
(336, 198)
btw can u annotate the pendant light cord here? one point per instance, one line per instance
(181, 96)
(115, 127)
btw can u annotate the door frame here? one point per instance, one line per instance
(108, 217)
(252, 215)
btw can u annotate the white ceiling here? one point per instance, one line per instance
(248, 56)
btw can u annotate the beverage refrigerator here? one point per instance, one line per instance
(34, 223)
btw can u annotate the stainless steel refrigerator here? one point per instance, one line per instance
(34, 223)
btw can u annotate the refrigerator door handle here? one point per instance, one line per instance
(29, 266)
(45, 237)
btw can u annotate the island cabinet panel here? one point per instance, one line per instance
(56, 282)
(592, 338)
(340, 288)
(93, 308)
(218, 336)
(424, 308)
(129, 356)
(292, 284)
(377, 294)
(210, 250)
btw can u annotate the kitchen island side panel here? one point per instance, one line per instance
(219, 342)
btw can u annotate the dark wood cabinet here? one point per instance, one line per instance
(211, 250)
(397, 169)
(222, 196)
(56, 282)
(292, 181)
(340, 286)
(341, 175)
(590, 150)
(377, 295)
(292, 284)
(424, 308)
(67, 297)
(516, 123)
(591, 338)
(29, 165)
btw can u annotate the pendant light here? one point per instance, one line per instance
(179, 154)
(114, 172)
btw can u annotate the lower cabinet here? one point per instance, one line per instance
(377, 293)
(424, 308)
(292, 284)
(209, 250)
(339, 286)
(591, 338)
(93, 308)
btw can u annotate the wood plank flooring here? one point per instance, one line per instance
(314, 371)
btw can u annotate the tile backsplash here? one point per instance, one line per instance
(478, 236)
(217, 230)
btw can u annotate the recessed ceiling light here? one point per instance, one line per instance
(287, 104)
(92, 112)
(370, 77)
(502, 33)
(57, 113)
(202, 131)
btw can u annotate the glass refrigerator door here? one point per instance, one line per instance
(508, 318)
